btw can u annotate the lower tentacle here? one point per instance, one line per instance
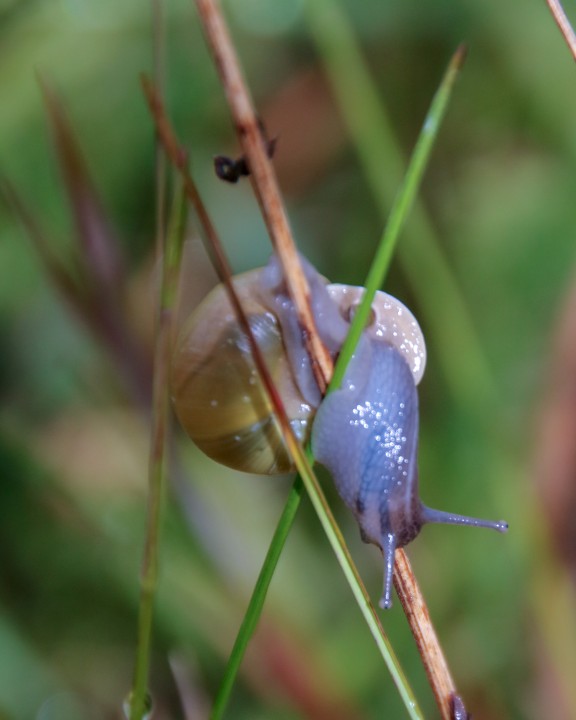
(388, 549)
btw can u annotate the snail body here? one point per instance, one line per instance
(365, 433)
(376, 411)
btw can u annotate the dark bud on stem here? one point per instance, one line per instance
(231, 170)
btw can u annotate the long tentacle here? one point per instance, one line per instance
(388, 549)
(429, 515)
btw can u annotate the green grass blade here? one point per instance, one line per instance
(308, 478)
(138, 701)
(399, 213)
(466, 373)
(256, 603)
(357, 586)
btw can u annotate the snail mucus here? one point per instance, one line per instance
(365, 433)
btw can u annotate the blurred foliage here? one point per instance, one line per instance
(73, 446)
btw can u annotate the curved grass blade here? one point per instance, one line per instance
(257, 599)
(399, 213)
(96, 241)
(445, 314)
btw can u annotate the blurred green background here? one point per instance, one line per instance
(486, 263)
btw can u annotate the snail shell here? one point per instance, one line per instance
(217, 393)
(216, 390)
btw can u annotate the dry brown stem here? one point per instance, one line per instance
(269, 198)
(564, 24)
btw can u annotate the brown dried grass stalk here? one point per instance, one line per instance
(268, 194)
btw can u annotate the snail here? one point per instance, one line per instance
(365, 432)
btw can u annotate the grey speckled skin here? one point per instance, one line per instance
(372, 423)
(366, 434)
(458, 709)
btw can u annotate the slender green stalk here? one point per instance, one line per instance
(306, 475)
(398, 216)
(350, 571)
(466, 373)
(399, 213)
(139, 702)
(168, 248)
(256, 604)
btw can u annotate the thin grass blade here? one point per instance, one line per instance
(256, 604)
(100, 248)
(65, 280)
(471, 383)
(399, 214)
(158, 453)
